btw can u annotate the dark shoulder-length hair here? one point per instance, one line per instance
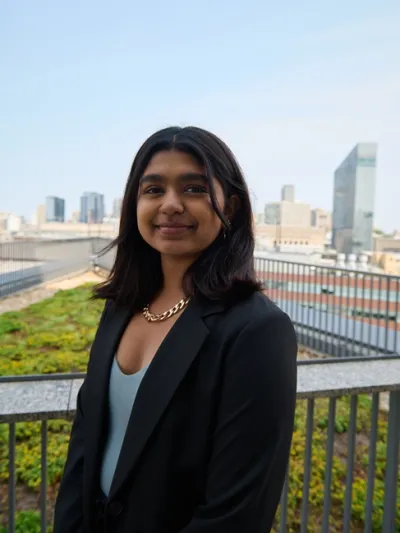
(225, 270)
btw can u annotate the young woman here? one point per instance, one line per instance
(185, 418)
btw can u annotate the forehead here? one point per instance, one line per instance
(173, 163)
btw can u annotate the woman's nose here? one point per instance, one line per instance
(172, 203)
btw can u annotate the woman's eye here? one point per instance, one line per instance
(153, 190)
(197, 189)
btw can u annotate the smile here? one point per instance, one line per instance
(173, 229)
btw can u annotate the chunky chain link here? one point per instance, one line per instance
(150, 317)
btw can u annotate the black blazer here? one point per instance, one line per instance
(208, 440)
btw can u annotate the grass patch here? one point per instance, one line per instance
(55, 335)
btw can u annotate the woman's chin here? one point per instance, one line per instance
(176, 249)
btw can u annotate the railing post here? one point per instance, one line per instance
(11, 478)
(43, 481)
(392, 464)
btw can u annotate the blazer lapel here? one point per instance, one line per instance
(102, 354)
(159, 384)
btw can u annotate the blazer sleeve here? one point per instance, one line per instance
(68, 515)
(68, 512)
(252, 439)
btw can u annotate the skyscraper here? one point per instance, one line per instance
(55, 209)
(354, 200)
(92, 208)
(287, 193)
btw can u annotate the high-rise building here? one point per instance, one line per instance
(354, 200)
(92, 208)
(55, 209)
(287, 193)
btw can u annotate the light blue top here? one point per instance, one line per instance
(122, 393)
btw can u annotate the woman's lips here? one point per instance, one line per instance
(173, 230)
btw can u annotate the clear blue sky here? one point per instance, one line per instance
(290, 86)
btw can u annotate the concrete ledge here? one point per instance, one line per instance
(355, 377)
(76, 385)
(49, 399)
(34, 400)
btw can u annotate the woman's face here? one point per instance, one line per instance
(174, 211)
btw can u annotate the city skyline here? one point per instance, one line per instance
(289, 96)
(115, 205)
(109, 204)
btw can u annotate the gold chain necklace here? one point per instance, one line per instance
(150, 317)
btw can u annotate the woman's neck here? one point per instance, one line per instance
(174, 269)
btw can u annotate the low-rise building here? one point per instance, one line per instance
(287, 213)
(321, 219)
(386, 244)
(290, 238)
(388, 262)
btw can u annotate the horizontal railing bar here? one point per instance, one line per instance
(43, 400)
(42, 377)
(257, 255)
(69, 412)
(316, 267)
(345, 391)
(355, 359)
(343, 340)
(301, 362)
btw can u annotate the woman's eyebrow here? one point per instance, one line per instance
(189, 176)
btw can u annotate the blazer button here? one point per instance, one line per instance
(115, 508)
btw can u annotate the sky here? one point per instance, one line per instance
(291, 87)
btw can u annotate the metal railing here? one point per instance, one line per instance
(336, 311)
(26, 264)
(54, 397)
